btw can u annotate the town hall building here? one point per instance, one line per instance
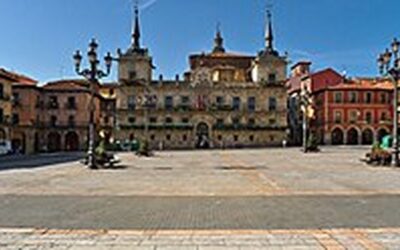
(225, 100)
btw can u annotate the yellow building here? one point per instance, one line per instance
(224, 100)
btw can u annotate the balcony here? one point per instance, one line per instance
(61, 125)
(251, 127)
(170, 126)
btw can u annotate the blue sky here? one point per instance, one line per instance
(38, 37)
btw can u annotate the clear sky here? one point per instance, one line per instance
(38, 37)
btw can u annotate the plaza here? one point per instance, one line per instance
(217, 199)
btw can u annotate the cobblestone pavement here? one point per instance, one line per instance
(200, 240)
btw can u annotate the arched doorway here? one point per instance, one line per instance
(54, 142)
(337, 137)
(202, 133)
(382, 133)
(18, 143)
(352, 137)
(36, 143)
(367, 137)
(2, 134)
(71, 141)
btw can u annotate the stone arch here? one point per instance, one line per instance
(367, 137)
(36, 143)
(382, 132)
(203, 135)
(352, 137)
(337, 136)
(71, 141)
(18, 142)
(3, 134)
(53, 142)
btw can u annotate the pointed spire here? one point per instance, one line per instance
(218, 41)
(269, 36)
(136, 28)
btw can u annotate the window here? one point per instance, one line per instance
(338, 97)
(353, 97)
(1, 115)
(132, 75)
(236, 103)
(169, 102)
(236, 121)
(71, 121)
(272, 104)
(272, 121)
(251, 103)
(71, 104)
(353, 116)
(168, 120)
(132, 120)
(153, 120)
(16, 100)
(106, 119)
(53, 102)
(185, 99)
(184, 138)
(338, 117)
(368, 117)
(1, 91)
(236, 138)
(220, 101)
(384, 116)
(251, 138)
(185, 120)
(152, 137)
(271, 78)
(220, 122)
(383, 98)
(251, 122)
(368, 97)
(53, 120)
(168, 137)
(131, 102)
(15, 119)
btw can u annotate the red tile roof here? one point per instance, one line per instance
(364, 84)
(17, 78)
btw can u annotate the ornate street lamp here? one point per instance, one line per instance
(389, 66)
(93, 74)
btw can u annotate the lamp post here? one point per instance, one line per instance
(305, 103)
(93, 74)
(389, 66)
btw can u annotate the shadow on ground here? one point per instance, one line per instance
(37, 161)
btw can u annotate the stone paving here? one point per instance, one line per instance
(299, 194)
(266, 172)
(200, 240)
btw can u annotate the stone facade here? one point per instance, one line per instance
(224, 100)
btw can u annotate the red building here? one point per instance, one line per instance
(347, 111)
(356, 111)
